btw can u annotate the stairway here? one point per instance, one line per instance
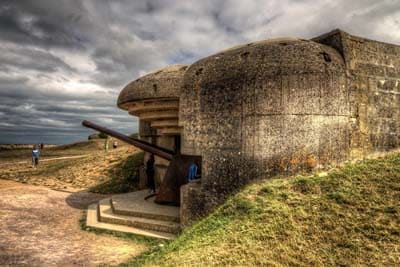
(130, 213)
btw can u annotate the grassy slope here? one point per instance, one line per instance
(349, 217)
(123, 177)
(112, 172)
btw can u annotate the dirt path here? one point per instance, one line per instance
(46, 159)
(40, 227)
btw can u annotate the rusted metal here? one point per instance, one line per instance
(177, 172)
(175, 177)
(156, 150)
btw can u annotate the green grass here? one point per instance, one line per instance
(124, 177)
(74, 149)
(349, 217)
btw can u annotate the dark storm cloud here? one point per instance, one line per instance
(27, 58)
(44, 23)
(66, 60)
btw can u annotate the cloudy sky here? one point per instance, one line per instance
(62, 61)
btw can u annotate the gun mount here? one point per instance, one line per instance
(156, 150)
(177, 172)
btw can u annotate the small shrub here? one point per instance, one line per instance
(103, 135)
(135, 135)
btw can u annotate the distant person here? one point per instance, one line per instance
(150, 173)
(41, 146)
(35, 156)
(193, 175)
(115, 144)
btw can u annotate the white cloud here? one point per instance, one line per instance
(6, 124)
(53, 123)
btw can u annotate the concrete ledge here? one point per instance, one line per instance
(92, 221)
(158, 115)
(108, 216)
(133, 204)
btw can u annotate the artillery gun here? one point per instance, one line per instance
(177, 171)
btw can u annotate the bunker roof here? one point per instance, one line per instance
(163, 83)
(262, 59)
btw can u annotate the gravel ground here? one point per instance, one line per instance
(40, 227)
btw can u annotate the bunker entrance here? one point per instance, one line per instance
(177, 144)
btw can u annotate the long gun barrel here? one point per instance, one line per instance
(156, 150)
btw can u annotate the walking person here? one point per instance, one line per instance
(35, 156)
(150, 173)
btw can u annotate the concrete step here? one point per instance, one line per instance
(93, 221)
(133, 204)
(108, 216)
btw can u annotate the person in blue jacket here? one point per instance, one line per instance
(193, 172)
(35, 156)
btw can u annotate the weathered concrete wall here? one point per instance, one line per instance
(373, 70)
(192, 203)
(262, 109)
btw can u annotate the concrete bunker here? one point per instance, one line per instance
(269, 107)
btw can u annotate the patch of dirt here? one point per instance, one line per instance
(40, 227)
